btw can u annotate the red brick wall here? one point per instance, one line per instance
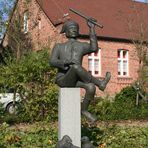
(48, 35)
(44, 36)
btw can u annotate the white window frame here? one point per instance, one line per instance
(122, 60)
(93, 57)
(26, 22)
(39, 23)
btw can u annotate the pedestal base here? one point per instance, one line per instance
(70, 114)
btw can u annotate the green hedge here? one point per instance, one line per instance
(121, 108)
(33, 78)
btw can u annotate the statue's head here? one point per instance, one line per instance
(71, 29)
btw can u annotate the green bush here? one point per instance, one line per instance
(40, 108)
(1, 111)
(112, 136)
(125, 137)
(123, 107)
(33, 78)
(5, 117)
(37, 135)
(44, 134)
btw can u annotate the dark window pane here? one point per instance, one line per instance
(96, 72)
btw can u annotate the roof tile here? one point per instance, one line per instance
(117, 16)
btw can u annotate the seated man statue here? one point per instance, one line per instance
(68, 56)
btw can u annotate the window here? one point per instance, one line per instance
(122, 62)
(26, 22)
(39, 23)
(94, 63)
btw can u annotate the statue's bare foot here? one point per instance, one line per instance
(89, 116)
(104, 82)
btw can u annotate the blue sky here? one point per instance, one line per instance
(145, 1)
(5, 5)
(140, 0)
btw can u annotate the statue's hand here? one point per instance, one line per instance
(66, 67)
(67, 62)
(90, 22)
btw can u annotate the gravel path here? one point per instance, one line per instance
(126, 123)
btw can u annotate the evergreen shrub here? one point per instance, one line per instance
(123, 107)
(32, 77)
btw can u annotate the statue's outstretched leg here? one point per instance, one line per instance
(84, 76)
(89, 95)
(102, 84)
(78, 73)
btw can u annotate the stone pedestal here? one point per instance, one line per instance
(70, 114)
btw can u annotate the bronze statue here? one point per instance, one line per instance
(68, 56)
(65, 142)
(85, 143)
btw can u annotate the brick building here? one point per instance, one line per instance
(42, 19)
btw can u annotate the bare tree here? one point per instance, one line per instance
(138, 33)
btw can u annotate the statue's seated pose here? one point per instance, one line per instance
(68, 56)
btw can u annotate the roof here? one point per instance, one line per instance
(118, 17)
